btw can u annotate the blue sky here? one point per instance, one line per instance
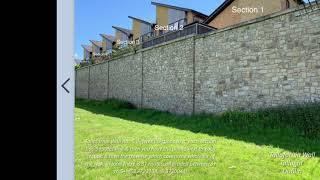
(93, 17)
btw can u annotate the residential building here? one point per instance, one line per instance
(122, 35)
(87, 52)
(141, 28)
(175, 16)
(232, 12)
(108, 42)
(96, 47)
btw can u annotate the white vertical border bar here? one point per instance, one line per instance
(65, 100)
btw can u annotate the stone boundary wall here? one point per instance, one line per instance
(270, 61)
(260, 64)
(82, 83)
(168, 77)
(125, 79)
(98, 84)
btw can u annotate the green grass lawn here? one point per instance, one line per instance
(233, 145)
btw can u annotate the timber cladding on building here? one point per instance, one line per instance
(140, 27)
(167, 14)
(107, 42)
(122, 34)
(270, 61)
(87, 52)
(96, 47)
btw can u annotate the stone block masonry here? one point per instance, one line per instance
(270, 61)
(98, 84)
(82, 83)
(125, 80)
(168, 77)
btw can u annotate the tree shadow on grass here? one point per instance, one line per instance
(262, 128)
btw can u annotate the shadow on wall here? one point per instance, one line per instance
(283, 127)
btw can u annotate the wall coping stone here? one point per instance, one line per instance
(168, 42)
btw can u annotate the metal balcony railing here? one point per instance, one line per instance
(193, 28)
(175, 25)
(147, 36)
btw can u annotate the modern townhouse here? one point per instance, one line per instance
(174, 16)
(108, 42)
(141, 28)
(232, 12)
(173, 22)
(96, 47)
(122, 35)
(87, 52)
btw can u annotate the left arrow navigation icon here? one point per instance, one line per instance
(65, 84)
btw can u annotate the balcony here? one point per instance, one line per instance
(193, 28)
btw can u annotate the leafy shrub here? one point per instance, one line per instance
(119, 52)
(77, 66)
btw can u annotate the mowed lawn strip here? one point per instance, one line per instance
(233, 158)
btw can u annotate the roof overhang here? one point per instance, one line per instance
(121, 29)
(108, 37)
(86, 47)
(215, 13)
(180, 8)
(140, 20)
(97, 43)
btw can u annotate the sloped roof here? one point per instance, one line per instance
(126, 31)
(224, 5)
(108, 37)
(97, 43)
(140, 20)
(87, 47)
(179, 8)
